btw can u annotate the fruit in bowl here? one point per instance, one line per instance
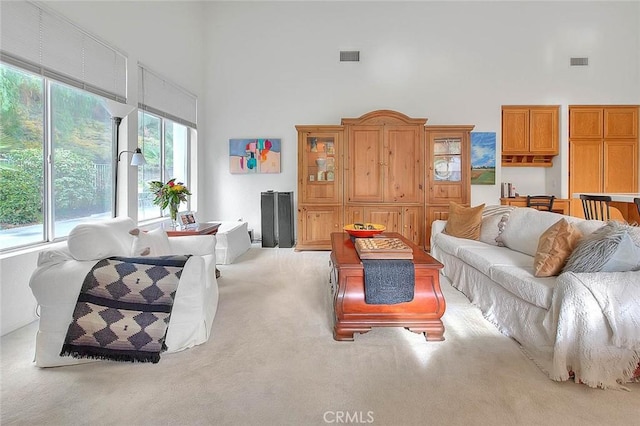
(364, 230)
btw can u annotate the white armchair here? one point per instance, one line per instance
(58, 279)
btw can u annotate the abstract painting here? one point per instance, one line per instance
(254, 156)
(483, 158)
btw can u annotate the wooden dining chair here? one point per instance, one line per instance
(541, 202)
(596, 207)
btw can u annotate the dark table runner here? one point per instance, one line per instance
(388, 281)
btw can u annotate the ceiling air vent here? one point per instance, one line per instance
(350, 56)
(579, 62)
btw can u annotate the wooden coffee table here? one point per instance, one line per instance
(353, 315)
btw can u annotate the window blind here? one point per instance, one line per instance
(162, 97)
(47, 44)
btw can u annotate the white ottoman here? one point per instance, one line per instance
(232, 241)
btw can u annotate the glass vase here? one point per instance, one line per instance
(173, 212)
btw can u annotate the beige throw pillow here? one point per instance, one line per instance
(554, 248)
(464, 222)
(494, 219)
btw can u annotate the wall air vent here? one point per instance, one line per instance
(579, 62)
(349, 56)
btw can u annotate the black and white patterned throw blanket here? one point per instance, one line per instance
(123, 309)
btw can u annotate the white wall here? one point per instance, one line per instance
(271, 66)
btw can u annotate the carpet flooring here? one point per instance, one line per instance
(271, 360)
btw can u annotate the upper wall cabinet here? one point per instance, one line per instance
(530, 135)
(597, 122)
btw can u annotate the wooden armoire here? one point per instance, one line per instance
(383, 167)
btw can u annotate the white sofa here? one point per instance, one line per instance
(233, 241)
(549, 317)
(58, 279)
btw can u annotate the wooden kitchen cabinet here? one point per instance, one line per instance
(586, 122)
(603, 150)
(530, 135)
(603, 122)
(621, 122)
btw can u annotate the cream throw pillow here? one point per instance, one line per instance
(152, 243)
(99, 240)
(464, 222)
(554, 248)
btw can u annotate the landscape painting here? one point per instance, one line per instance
(483, 158)
(248, 156)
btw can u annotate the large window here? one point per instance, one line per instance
(165, 145)
(56, 158)
(167, 115)
(56, 133)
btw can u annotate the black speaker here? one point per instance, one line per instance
(285, 220)
(268, 214)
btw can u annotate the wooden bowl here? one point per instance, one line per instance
(364, 230)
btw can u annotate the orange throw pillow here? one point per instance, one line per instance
(464, 222)
(554, 248)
